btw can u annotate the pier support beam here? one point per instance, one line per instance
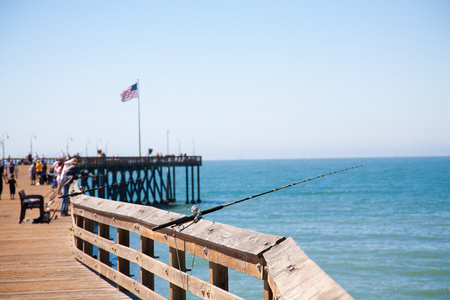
(198, 185)
(187, 185)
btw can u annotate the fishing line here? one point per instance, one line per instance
(196, 213)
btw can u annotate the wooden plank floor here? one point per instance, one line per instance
(36, 260)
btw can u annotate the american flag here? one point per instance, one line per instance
(130, 93)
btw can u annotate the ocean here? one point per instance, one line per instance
(380, 231)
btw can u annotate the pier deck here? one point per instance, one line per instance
(36, 260)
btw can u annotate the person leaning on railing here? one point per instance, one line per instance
(70, 172)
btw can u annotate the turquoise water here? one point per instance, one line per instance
(380, 231)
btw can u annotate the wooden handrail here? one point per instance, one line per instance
(285, 269)
(168, 160)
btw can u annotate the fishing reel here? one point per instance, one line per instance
(196, 211)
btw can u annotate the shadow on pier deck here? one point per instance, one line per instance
(36, 260)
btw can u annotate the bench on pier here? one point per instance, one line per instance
(30, 202)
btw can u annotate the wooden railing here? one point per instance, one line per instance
(279, 262)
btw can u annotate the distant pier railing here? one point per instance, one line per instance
(287, 273)
(165, 161)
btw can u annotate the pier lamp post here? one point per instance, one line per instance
(179, 145)
(193, 143)
(106, 148)
(88, 141)
(33, 137)
(168, 141)
(98, 140)
(3, 142)
(69, 139)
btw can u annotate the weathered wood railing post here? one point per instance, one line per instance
(177, 260)
(88, 247)
(103, 255)
(148, 248)
(79, 220)
(218, 275)
(268, 295)
(123, 265)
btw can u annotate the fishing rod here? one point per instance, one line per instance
(196, 213)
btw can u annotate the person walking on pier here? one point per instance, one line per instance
(43, 178)
(12, 186)
(11, 167)
(32, 173)
(38, 171)
(29, 158)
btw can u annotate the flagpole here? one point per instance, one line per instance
(139, 117)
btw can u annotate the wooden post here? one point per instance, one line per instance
(161, 184)
(79, 241)
(174, 184)
(103, 255)
(192, 182)
(123, 265)
(187, 185)
(198, 184)
(88, 247)
(103, 181)
(177, 293)
(168, 196)
(218, 275)
(123, 186)
(153, 184)
(148, 248)
(268, 295)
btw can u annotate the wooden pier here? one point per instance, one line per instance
(36, 260)
(69, 259)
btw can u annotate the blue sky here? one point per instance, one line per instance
(242, 79)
